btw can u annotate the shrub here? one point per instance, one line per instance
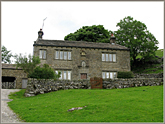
(128, 74)
(44, 72)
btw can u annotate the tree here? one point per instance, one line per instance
(28, 64)
(6, 55)
(44, 72)
(134, 35)
(90, 33)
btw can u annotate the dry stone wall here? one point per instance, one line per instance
(159, 75)
(42, 86)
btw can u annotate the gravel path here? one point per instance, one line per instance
(7, 114)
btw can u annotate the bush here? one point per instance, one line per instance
(44, 72)
(128, 74)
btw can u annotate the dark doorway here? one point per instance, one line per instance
(8, 79)
(8, 82)
(83, 75)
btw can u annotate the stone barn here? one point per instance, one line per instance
(12, 77)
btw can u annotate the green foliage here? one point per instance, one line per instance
(149, 68)
(6, 55)
(44, 72)
(28, 64)
(135, 104)
(134, 35)
(128, 74)
(90, 33)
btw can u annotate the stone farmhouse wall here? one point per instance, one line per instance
(35, 86)
(93, 59)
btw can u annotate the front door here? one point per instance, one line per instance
(24, 83)
(83, 75)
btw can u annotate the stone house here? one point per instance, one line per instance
(78, 60)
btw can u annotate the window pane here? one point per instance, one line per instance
(64, 75)
(57, 54)
(110, 57)
(44, 52)
(106, 57)
(40, 54)
(111, 75)
(69, 55)
(65, 55)
(107, 74)
(69, 75)
(56, 72)
(61, 54)
(103, 75)
(114, 75)
(114, 57)
(60, 75)
(103, 57)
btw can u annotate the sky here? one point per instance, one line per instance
(21, 21)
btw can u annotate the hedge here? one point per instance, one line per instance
(128, 74)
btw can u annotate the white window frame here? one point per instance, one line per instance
(69, 55)
(103, 57)
(42, 54)
(57, 55)
(114, 57)
(103, 75)
(65, 75)
(110, 57)
(106, 57)
(109, 75)
(65, 55)
(61, 55)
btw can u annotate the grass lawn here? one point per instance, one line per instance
(135, 104)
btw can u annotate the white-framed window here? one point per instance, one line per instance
(57, 55)
(103, 75)
(69, 55)
(42, 54)
(109, 75)
(108, 57)
(69, 75)
(114, 57)
(65, 75)
(103, 57)
(60, 75)
(62, 55)
(65, 55)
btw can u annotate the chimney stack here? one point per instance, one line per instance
(112, 39)
(40, 34)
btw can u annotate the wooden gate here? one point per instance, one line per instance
(8, 85)
(96, 83)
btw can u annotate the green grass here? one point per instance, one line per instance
(159, 53)
(136, 104)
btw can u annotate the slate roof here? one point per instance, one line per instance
(9, 66)
(79, 44)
